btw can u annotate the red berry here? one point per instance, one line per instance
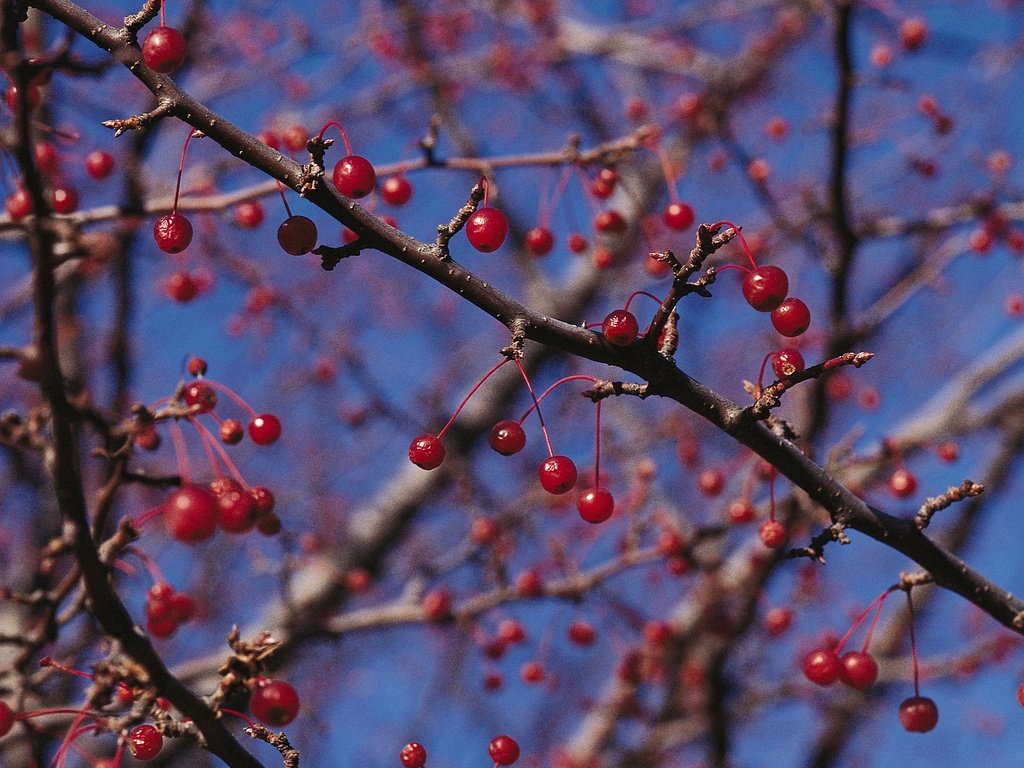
(427, 451)
(11, 96)
(577, 243)
(822, 666)
(201, 396)
(777, 620)
(18, 204)
(948, 452)
(791, 317)
(190, 514)
(484, 530)
(786, 362)
(610, 221)
(268, 525)
(437, 605)
(710, 482)
(161, 627)
(902, 483)
(858, 670)
(354, 176)
(486, 229)
(265, 429)
(231, 431)
(413, 755)
(595, 505)
(183, 607)
(172, 233)
(582, 633)
(772, 533)
(65, 200)
(145, 742)
(529, 584)
(557, 474)
(249, 214)
(741, 511)
(181, 287)
(236, 508)
(46, 156)
(918, 714)
(504, 750)
(6, 719)
(295, 137)
(297, 235)
(678, 216)
(274, 702)
(396, 190)
(507, 437)
(532, 672)
(913, 33)
(765, 288)
(164, 50)
(264, 499)
(196, 366)
(540, 241)
(99, 164)
(511, 632)
(620, 327)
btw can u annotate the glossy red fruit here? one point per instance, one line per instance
(822, 666)
(507, 437)
(265, 429)
(918, 714)
(200, 396)
(427, 451)
(354, 176)
(236, 508)
(791, 317)
(248, 214)
(274, 702)
(437, 605)
(504, 750)
(620, 327)
(610, 221)
(772, 533)
(6, 719)
(18, 204)
(487, 229)
(173, 233)
(557, 474)
(765, 288)
(413, 755)
(297, 235)
(858, 670)
(231, 431)
(164, 50)
(65, 200)
(264, 499)
(396, 190)
(902, 483)
(540, 241)
(678, 216)
(786, 362)
(99, 164)
(190, 514)
(145, 742)
(595, 505)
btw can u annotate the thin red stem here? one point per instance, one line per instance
(670, 178)
(344, 136)
(234, 396)
(163, 14)
(49, 661)
(181, 163)
(181, 453)
(874, 621)
(146, 516)
(771, 495)
(860, 620)
(760, 373)
(640, 293)
(288, 208)
(151, 566)
(239, 715)
(209, 441)
(597, 447)
(472, 392)
(536, 404)
(913, 645)
(487, 188)
(743, 240)
(548, 391)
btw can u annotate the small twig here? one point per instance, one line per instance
(429, 142)
(445, 232)
(135, 22)
(330, 256)
(771, 395)
(279, 741)
(136, 122)
(816, 549)
(313, 171)
(603, 389)
(953, 494)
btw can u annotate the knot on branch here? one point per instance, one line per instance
(953, 494)
(330, 257)
(917, 579)
(603, 389)
(313, 171)
(816, 549)
(246, 662)
(514, 351)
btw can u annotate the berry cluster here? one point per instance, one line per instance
(166, 610)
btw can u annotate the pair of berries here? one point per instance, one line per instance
(766, 289)
(857, 669)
